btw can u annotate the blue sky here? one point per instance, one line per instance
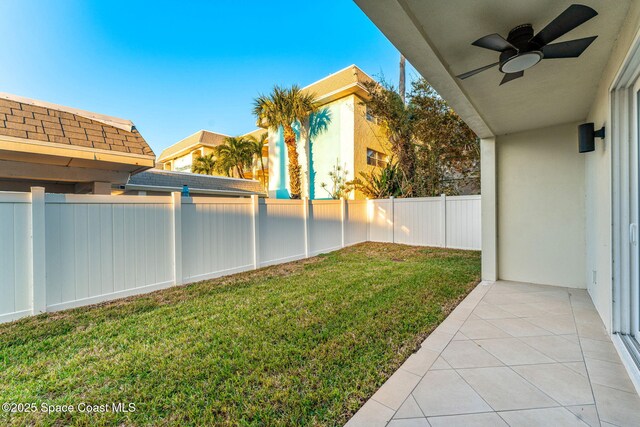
(177, 67)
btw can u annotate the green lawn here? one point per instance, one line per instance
(304, 343)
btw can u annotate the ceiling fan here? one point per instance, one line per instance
(522, 50)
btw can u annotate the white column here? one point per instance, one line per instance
(255, 224)
(176, 198)
(443, 220)
(343, 218)
(38, 252)
(392, 220)
(488, 184)
(305, 216)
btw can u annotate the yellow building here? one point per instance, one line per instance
(181, 156)
(352, 140)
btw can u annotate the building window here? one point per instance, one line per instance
(369, 116)
(376, 158)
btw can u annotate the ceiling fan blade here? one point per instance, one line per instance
(476, 71)
(511, 76)
(574, 16)
(493, 42)
(570, 49)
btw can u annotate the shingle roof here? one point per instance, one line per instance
(202, 137)
(209, 183)
(37, 120)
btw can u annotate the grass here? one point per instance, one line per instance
(304, 343)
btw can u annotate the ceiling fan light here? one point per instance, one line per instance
(521, 62)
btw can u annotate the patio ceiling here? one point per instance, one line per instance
(436, 38)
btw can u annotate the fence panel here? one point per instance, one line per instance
(380, 220)
(102, 247)
(357, 223)
(216, 237)
(281, 229)
(418, 221)
(464, 222)
(325, 226)
(15, 250)
(98, 248)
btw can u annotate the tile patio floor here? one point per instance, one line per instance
(511, 354)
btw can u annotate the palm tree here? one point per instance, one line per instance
(205, 165)
(257, 145)
(234, 154)
(286, 108)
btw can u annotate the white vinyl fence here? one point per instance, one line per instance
(59, 251)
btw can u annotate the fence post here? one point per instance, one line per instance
(343, 217)
(255, 224)
(369, 217)
(305, 216)
(392, 219)
(443, 219)
(176, 201)
(38, 252)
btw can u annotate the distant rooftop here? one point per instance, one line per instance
(202, 137)
(157, 180)
(31, 119)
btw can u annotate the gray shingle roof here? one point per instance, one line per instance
(175, 180)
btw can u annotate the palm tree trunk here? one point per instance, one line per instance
(294, 165)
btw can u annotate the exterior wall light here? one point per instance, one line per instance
(587, 137)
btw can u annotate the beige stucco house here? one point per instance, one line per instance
(66, 150)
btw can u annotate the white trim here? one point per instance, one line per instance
(58, 146)
(113, 296)
(282, 260)
(10, 317)
(138, 187)
(215, 275)
(627, 361)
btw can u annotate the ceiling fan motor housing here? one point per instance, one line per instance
(526, 54)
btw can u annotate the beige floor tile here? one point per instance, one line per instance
(489, 311)
(436, 341)
(440, 364)
(601, 350)
(592, 330)
(523, 310)
(459, 337)
(559, 382)
(617, 407)
(556, 417)
(446, 393)
(409, 422)
(372, 414)
(479, 329)
(512, 351)
(490, 419)
(609, 374)
(578, 368)
(553, 307)
(396, 389)
(519, 327)
(468, 354)
(409, 409)
(450, 326)
(420, 362)
(559, 325)
(503, 389)
(556, 347)
(586, 413)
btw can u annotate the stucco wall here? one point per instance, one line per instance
(598, 179)
(541, 207)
